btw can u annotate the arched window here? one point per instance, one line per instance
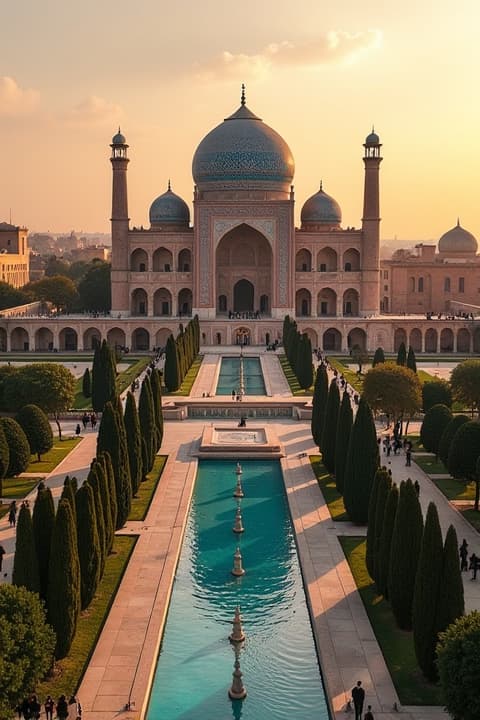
(348, 267)
(420, 284)
(461, 284)
(411, 284)
(222, 303)
(446, 285)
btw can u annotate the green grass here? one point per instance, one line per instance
(430, 465)
(4, 509)
(473, 517)
(291, 378)
(53, 457)
(456, 489)
(341, 365)
(396, 645)
(424, 376)
(146, 491)
(186, 387)
(17, 488)
(71, 669)
(327, 485)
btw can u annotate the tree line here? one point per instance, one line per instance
(180, 352)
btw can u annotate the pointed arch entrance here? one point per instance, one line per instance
(243, 296)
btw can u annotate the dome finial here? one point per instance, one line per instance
(119, 131)
(458, 222)
(321, 185)
(242, 98)
(373, 128)
(169, 186)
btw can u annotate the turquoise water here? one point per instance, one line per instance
(278, 659)
(229, 376)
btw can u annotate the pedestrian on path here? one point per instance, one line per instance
(369, 715)
(408, 455)
(12, 514)
(49, 707)
(474, 565)
(85, 420)
(2, 553)
(358, 697)
(77, 430)
(463, 551)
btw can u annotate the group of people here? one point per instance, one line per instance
(86, 419)
(30, 708)
(466, 563)
(358, 698)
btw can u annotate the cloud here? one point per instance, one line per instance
(95, 110)
(333, 47)
(14, 100)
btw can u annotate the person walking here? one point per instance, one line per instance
(49, 707)
(474, 561)
(2, 553)
(85, 420)
(358, 697)
(463, 552)
(12, 514)
(408, 455)
(368, 715)
(62, 708)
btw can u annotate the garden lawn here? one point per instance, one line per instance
(291, 378)
(186, 387)
(72, 668)
(396, 645)
(53, 457)
(146, 491)
(124, 380)
(17, 488)
(353, 378)
(456, 489)
(472, 516)
(430, 465)
(329, 491)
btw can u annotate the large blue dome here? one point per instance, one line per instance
(244, 153)
(321, 209)
(169, 210)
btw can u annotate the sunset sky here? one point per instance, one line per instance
(319, 73)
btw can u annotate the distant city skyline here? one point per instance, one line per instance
(319, 75)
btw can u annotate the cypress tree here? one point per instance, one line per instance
(411, 360)
(37, 428)
(147, 423)
(86, 384)
(404, 551)
(106, 508)
(63, 596)
(451, 602)
(104, 377)
(344, 428)
(402, 354)
(386, 541)
(111, 439)
(379, 357)
(319, 404)
(99, 517)
(89, 553)
(4, 457)
(43, 519)
(434, 423)
(171, 369)
(361, 465)
(19, 449)
(122, 433)
(68, 493)
(371, 534)
(156, 384)
(329, 436)
(111, 490)
(134, 442)
(25, 563)
(448, 435)
(426, 593)
(383, 492)
(304, 364)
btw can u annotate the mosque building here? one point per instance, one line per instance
(242, 265)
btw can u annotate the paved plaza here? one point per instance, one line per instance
(122, 665)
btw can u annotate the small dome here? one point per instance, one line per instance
(372, 139)
(119, 139)
(243, 152)
(458, 241)
(321, 209)
(169, 209)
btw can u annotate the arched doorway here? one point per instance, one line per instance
(44, 339)
(463, 340)
(243, 296)
(332, 340)
(242, 336)
(244, 270)
(399, 337)
(357, 337)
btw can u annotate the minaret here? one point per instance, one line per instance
(120, 226)
(370, 283)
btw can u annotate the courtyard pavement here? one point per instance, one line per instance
(121, 668)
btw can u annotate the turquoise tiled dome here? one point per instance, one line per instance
(169, 209)
(321, 209)
(118, 138)
(243, 152)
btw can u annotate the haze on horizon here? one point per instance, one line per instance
(320, 75)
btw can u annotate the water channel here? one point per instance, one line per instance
(278, 659)
(229, 377)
